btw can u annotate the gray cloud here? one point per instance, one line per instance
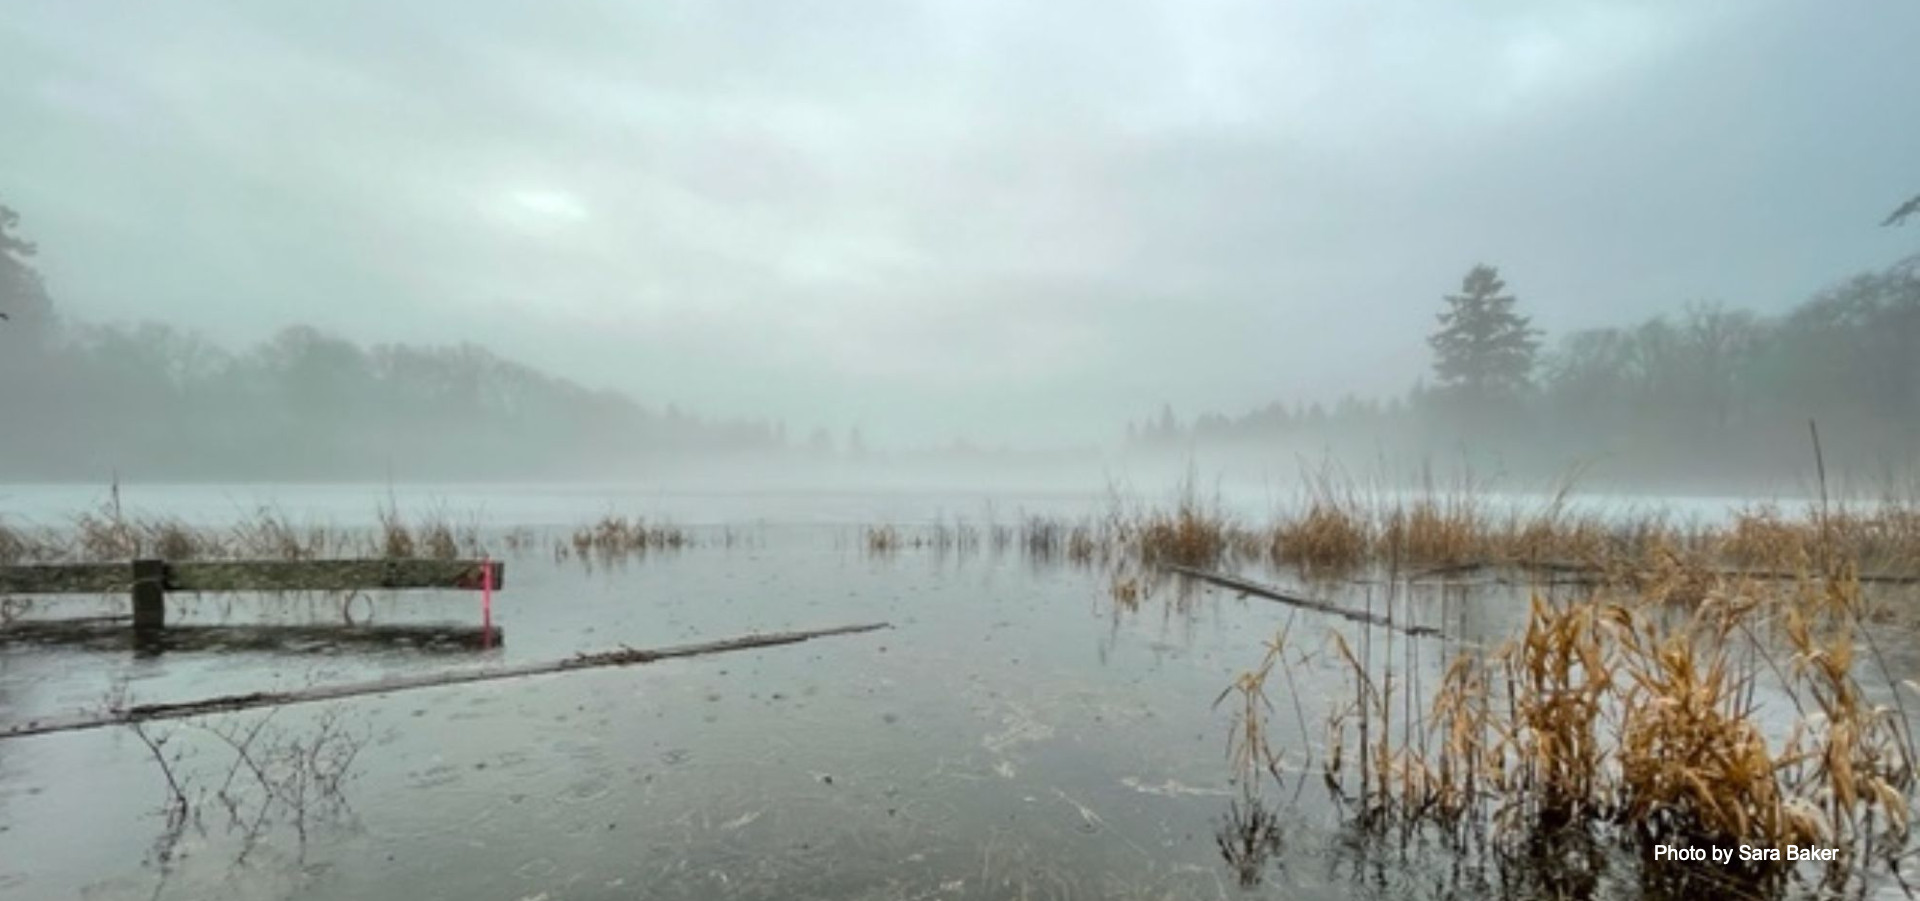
(1024, 223)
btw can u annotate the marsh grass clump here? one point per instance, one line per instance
(438, 541)
(1328, 538)
(620, 536)
(520, 539)
(1559, 678)
(1553, 537)
(23, 544)
(959, 537)
(1188, 532)
(1191, 533)
(1186, 537)
(1881, 537)
(1043, 538)
(1692, 762)
(1441, 531)
(433, 536)
(884, 540)
(106, 533)
(174, 540)
(396, 538)
(1666, 573)
(1080, 542)
(1695, 760)
(271, 534)
(1084, 544)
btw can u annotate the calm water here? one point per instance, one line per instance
(569, 505)
(1014, 734)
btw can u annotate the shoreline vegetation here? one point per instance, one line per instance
(1333, 528)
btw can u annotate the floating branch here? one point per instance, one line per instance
(141, 713)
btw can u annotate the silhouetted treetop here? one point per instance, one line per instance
(1901, 213)
(23, 294)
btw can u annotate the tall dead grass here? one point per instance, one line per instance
(1883, 537)
(1338, 528)
(110, 532)
(1615, 712)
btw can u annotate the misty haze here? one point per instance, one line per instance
(946, 450)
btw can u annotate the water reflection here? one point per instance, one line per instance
(1249, 839)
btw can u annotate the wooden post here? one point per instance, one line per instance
(149, 595)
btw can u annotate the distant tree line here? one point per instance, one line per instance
(81, 400)
(1708, 393)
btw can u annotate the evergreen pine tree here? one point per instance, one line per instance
(1484, 351)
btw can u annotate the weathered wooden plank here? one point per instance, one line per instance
(66, 578)
(252, 575)
(328, 575)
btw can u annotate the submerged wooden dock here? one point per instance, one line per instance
(148, 581)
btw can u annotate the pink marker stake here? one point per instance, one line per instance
(486, 602)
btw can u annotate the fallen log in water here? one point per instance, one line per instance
(1784, 575)
(1452, 569)
(140, 713)
(1275, 594)
(1576, 571)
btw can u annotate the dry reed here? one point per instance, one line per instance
(1611, 711)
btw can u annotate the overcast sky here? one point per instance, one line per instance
(1024, 222)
